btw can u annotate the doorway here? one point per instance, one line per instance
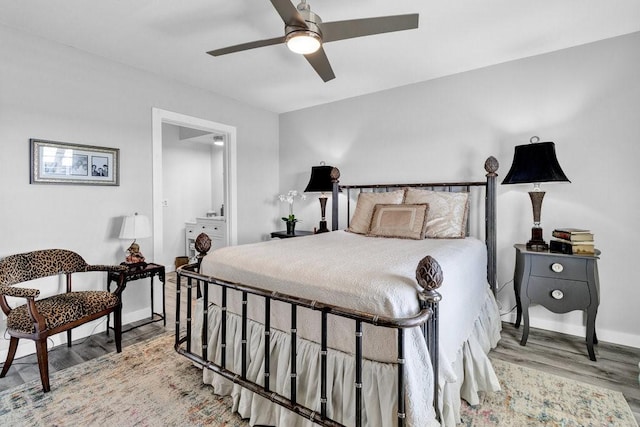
(229, 199)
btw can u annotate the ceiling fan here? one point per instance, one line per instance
(305, 33)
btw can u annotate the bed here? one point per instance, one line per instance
(376, 328)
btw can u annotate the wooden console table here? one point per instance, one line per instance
(136, 272)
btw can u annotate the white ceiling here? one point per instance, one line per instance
(170, 38)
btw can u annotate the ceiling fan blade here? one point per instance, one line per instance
(340, 30)
(320, 63)
(246, 46)
(288, 12)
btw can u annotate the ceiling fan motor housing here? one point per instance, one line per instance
(312, 21)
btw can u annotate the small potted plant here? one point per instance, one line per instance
(291, 219)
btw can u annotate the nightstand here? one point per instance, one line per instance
(560, 283)
(296, 233)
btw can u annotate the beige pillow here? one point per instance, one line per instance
(447, 214)
(361, 219)
(403, 221)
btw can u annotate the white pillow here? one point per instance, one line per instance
(447, 214)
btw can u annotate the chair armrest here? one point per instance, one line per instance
(28, 293)
(15, 291)
(116, 268)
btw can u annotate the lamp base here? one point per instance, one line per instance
(537, 243)
(134, 256)
(323, 206)
(322, 228)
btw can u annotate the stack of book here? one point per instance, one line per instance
(573, 241)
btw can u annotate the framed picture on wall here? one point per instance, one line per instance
(64, 163)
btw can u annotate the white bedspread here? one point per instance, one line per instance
(377, 275)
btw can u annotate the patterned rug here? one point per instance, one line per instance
(534, 398)
(148, 384)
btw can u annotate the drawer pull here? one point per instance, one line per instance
(557, 294)
(557, 267)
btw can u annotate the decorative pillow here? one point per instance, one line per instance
(447, 214)
(361, 219)
(403, 221)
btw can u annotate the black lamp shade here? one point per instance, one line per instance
(536, 162)
(320, 180)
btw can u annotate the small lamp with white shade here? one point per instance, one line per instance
(135, 227)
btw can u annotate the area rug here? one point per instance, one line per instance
(149, 384)
(530, 397)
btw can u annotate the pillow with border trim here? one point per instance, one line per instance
(361, 219)
(404, 221)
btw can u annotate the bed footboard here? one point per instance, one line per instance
(428, 276)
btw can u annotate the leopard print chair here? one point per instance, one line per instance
(40, 318)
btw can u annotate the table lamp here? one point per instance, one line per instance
(321, 181)
(535, 163)
(135, 227)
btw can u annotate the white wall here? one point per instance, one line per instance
(59, 93)
(585, 99)
(187, 187)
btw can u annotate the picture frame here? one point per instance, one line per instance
(55, 162)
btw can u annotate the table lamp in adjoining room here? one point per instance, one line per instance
(535, 163)
(135, 227)
(321, 181)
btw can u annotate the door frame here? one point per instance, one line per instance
(160, 116)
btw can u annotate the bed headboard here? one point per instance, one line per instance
(480, 191)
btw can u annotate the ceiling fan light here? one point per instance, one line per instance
(303, 42)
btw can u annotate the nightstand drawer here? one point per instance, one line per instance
(559, 268)
(559, 296)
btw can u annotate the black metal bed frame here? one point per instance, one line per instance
(428, 276)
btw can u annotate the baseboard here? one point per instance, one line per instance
(570, 328)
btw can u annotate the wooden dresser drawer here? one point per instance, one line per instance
(210, 230)
(215, 228)
(559, 296)
(570, 268)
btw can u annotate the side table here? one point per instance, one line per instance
(296, 233)
(136, 272)
(559, 282)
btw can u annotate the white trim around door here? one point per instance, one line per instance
(159, 117)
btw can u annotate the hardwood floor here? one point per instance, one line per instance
(566, 356)
(61, 357)
(559, 354)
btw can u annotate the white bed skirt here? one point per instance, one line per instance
(469, 373)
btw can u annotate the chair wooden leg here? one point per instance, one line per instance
(69, 338)
(43, 362)
(13, 346)
(117, 326)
